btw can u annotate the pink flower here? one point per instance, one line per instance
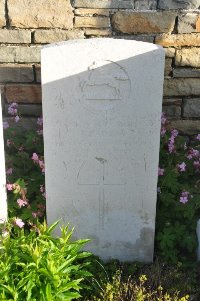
(184, 198)
(42, 166)
(40, 121)
(17, 118)
(12, 109)
(163, 131)
(9, 187)
(198, 137)
(192, 153)
(34, 214)
(22, 203)
(160, 171)
(35, 158)
(40, 132)
(9, 171)
(5, 125)
(19, 222)
(196, 165)
(182, 167)
(163, 118)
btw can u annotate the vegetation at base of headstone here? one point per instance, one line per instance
(24, 169)
(178, 204)
(38, 266)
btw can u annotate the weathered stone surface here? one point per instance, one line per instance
(49, 36)
(28, 109)
(188, 23)
(92, 12)
(178, 4)
(23, 93)
(177, 40)
(170, 52)
(188, 57)
(98, 32)
(92, 22)
(186, 72)
(2, 13)
(40, 13)
(145, 4)
(102, 112)
(187, 127)
(16, 73)
(172, 111)
(15, 36)
(104, 3)
(191, 108)
(182, 86)
(38, 73)
(143, 22)
(140, 37)
(19, 54)
(168, 66)
(172, 101)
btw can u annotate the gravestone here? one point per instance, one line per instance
(3, 203)
(102, 102)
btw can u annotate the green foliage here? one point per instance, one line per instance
(37, 266)
(177, 216)
(130, 290)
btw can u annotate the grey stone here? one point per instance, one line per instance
(172, 111)
(145, 4)
(16, 73)
(142, 38)
(25, 124)
(104, 3)
(187, 22)
(182, 87)
(178, 4)
(28, 109)
(186, 72)
(186, 127)
(191, 107)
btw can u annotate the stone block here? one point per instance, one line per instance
(15, 36)
(186, 127)
(38, 73)
(25, 124)
(40, 13)
(170, 52)
(186, 72)
(145, 4)
(101, 135)
(92, 22)
(140, 37)
(2, 13)
(143, 22)
(178, 40)
(191, 108)
(178, 4)
(23, 93)
(188, 22)
(44, 36)
(188, 57)
(182, 87)
(92, 11)
(16, 73)
(172, 101)
(28, 109)
(19, 54)
(104, 3)
(172, 111)
(98, 32)
(168, 66)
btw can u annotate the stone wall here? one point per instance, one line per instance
(26, 25)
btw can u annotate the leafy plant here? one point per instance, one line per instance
(37, 266)
(178, 204)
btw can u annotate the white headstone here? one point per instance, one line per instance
(3, 203)
(102, 102)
